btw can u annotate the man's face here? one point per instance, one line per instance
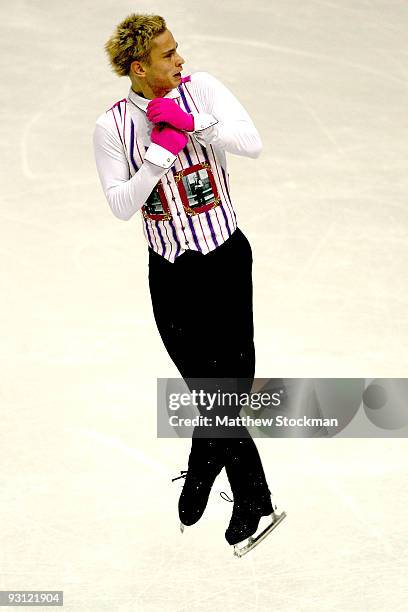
(163, 72)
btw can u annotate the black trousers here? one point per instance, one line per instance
(202, 305)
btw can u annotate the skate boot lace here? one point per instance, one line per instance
(183, 475)
(225, 496)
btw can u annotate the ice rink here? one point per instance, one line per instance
(87, 504)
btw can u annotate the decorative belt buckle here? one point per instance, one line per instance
(197, 188)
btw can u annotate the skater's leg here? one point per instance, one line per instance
(236, 358)
(186, 343)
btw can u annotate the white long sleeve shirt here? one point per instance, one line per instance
(137, 174)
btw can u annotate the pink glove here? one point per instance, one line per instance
(169, 138)
(167, 110)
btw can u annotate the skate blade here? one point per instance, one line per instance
(182, 527)
(252, 542)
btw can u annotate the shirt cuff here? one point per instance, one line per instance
(159, 156)
(202, 121)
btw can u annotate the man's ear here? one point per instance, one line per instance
(137, 69)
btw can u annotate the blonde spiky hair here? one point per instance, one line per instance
(132, 40)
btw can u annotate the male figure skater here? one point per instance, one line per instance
(200, 262)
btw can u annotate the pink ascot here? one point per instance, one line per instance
(166, 110)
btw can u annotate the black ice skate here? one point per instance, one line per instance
(204, 464)
(244, 524)
(252, 497)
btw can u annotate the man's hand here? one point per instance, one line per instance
(166, 110)
(169, 138)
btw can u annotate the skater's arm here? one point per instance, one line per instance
(234, 130)
(127, 195)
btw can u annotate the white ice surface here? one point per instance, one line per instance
(87, 505)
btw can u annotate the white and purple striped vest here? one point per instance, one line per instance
(190, 208)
